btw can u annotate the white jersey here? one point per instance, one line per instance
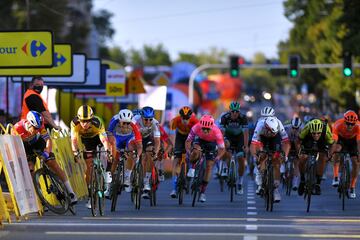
(260, 130)
(153, 130)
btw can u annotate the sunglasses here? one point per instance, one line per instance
(185, 118)
(125, 123)
(205, 129)
(234, 111)
(85, 121)
(349, 124)
(316, 133)
(148, 119)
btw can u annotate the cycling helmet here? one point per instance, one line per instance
(234, 106)
(207, 121)
(34, 118)
(185, 112)
(125, 115)
(350, 117)
(267, 112)
(136, 112)
(315, 126)
(85, 113)
(296, 122)
(272, 124)
(148, 112)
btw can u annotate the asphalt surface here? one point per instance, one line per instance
(217, 218)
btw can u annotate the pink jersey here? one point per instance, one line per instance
(215, 135)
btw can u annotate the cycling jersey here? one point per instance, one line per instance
(233, 127)
(22, 127)
(146, 132)
(164, 137)
(308, 141)
(124, 136)
(293, 133)
(340, 130)
(214, 135)
(178, 124)
(261, 131)
(96, 128)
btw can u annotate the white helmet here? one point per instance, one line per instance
(35, 119)
(272, 124)
(267, 112)
(296, 122)
(125, 115)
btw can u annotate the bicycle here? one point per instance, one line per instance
(154, 182)
(233, 174)
(310, 174)
(117, 184)
(182, 184)
(344, 180)
(268, 180)
(200, 168)
(137, 183)
(53, 186)
(97, 183)
(289, 173)
(222, 179)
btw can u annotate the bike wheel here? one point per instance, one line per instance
(53, 187)
(94, 197)
(101, 194)
(180, 184)
(309, 186)
(139, 185)
(289, 177)
(232, 180)
(116, 186)
(271, 189)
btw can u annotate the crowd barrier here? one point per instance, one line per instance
(21, 198)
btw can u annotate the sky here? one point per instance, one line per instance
(191, 26)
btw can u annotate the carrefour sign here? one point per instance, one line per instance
(26, 49)
(62, 65)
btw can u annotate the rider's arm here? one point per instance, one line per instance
(74, 137)
(138, 138)
(156, 133)
(189, 139)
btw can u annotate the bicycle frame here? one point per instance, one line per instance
(198, 178)
(345, 176)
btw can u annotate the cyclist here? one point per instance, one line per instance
(293, 130)
(166, 147)
(182, 124)
(89, 128)
(149, 128)
(315, 135)
(234, 126)
(127, 136)
(35, 138)
(270, 133)
(205, 136)
(346, 135)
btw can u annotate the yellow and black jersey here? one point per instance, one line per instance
(96, 128)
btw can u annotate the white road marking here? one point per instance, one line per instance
(251, 208)
(251, 219)
(251, 213)
(250, 237)
(250, 202)
(251, 227)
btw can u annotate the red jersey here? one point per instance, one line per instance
(340, 129)
(22, 127)
(164, 137)
(178, 124)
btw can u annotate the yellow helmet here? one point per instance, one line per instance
(85, 113)
(316, 126)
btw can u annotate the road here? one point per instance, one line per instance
(216, 219)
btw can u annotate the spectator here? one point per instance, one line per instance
(34, 102)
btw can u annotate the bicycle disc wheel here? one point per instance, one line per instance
(116, 187)
(101, 191)
(94, 197)
(54, 187)
(309, 186)
(232, 180)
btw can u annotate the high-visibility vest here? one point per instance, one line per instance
(25, 108)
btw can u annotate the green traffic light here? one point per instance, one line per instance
(234, 73)
(293, 73)
(347, 72)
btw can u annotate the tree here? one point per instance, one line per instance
(156, 55)
(101, 20)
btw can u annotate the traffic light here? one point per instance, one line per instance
(347, 64)
(294, 61)
(234, 66)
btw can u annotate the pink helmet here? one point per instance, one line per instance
(206, 121)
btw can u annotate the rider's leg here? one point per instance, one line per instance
(321, 167)
(355, 170)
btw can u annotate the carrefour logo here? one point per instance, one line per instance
(59, 59)
(35, 48)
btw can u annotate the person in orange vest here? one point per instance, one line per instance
(34, 102)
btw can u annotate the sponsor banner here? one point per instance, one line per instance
(62, 65)
(115, 82)
(13, 154)
(26, 49)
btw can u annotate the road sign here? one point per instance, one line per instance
(134, 84)
(161, 80)
(115, 82)
(26, 49)
(62, 65)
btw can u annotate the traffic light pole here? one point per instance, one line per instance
(254, 66)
